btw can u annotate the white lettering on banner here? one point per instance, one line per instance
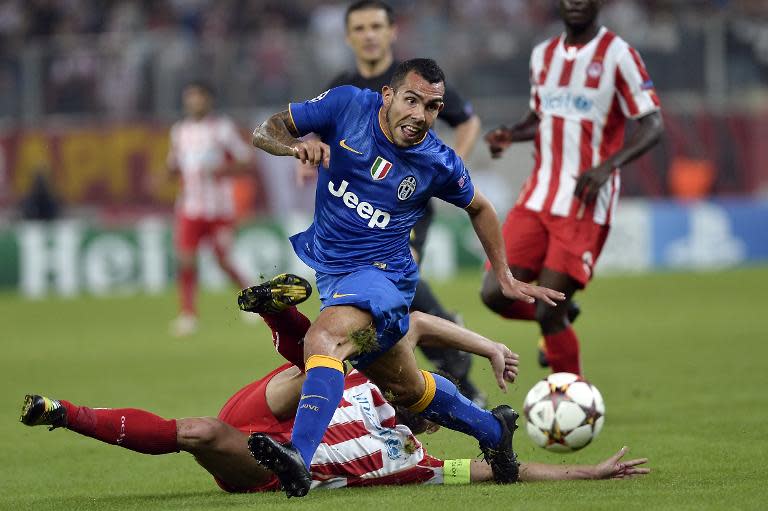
(48, 251)
(709, 242)
(54, 256)
(153, 256)
(365, 210)
(108, 265)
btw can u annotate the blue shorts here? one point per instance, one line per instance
(386, 295)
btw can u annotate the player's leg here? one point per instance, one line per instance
(188, 233)
(525, 241)
(218, 447)
(131, 428)
(223, 237)
(562, 345)
(326, 345)
(495, 300)
(221, 450)
(437, 399)
(288, 330)
(275, 302)
(573, 250)
(328, 342)
(454, 363)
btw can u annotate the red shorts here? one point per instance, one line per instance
(563, 244)
(191, 231)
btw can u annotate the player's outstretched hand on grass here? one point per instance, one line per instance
(504, 363)
(517, 290)
(313, 152)
(614, 468)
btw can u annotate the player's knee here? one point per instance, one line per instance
(491, 295)
(551, 319)
(198, 433)
(318, 341)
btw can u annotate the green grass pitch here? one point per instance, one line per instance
(679, 357)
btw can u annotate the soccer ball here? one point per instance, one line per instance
(564, 412)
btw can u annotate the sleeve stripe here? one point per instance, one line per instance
(474, 193)
(290, 114)
(645, 76)
(639, 63)
(626, 93)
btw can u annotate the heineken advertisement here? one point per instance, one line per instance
(70, 257)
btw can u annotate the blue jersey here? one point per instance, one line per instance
(369, 199)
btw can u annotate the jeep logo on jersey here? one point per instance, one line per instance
(380, 168)
(406, 188)
(375, 217)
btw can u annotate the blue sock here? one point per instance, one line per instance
(320, 395)
(444, 404)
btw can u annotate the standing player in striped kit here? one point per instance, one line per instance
(206, 150)
(585, 84)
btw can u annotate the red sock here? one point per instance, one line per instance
(187, 284)
(133, 429)
(519, 310)
(563, 351)
(288, 330)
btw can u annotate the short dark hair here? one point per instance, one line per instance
(204, 86)
(362, 5)
(426, 68)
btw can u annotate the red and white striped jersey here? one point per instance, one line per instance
(583, 96)
(198, 149)
(365, 446)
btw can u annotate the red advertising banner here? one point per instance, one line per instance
(112, 166)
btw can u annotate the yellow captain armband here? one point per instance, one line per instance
(456, 471)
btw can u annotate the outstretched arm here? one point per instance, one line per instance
(611, 468)
(278, 136)
(428, 330)
(647, 134)
(486, 224)
(502, 137)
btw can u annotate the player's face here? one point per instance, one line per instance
(197, 102)
(412, 109)
(579, 14)
(370, 35)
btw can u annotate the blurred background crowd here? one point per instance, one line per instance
(128, 59)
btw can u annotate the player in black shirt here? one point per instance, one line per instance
(370, 33)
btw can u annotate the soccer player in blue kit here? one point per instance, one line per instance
(381, 165)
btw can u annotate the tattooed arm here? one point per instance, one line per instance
(278, 135)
